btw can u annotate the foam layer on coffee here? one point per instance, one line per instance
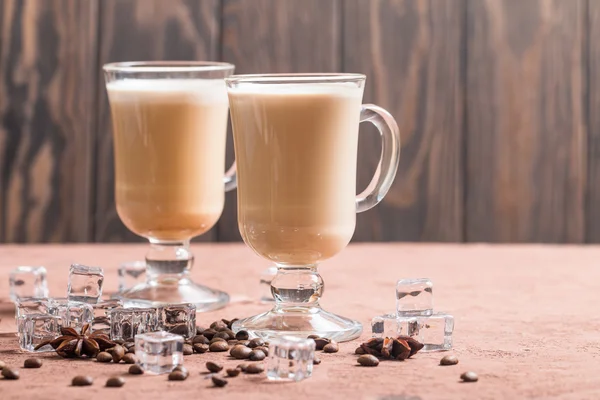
(198, 90)
(343, 89)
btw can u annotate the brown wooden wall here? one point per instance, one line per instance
(498, 102)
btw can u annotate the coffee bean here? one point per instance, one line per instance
(321, 342)
(256, 355)
(136, 370)
(219, 346)
(179, 329)
(117, 353)
(230, 324)
(240, 352)
(217, 339)
(469, 376)
(209, 333)
(131, 350)
(359, 350)
(218, 326)
(104, 357)
(243, 366)
(9, 373)
(263, 349)
(331, 347)
(254, 369)
(233, 372)
(115, 381)
(199, 330)
(181, 369)
(200, 339)
(316, 361)
(242, 335)
(312, 336)
(368, 360)
(188, 350)
(244, 342)
(129, 358)
(81, 380)
(449, 360)
(2, 365)
(223, 335)
(32, 363)
(219, 381)
(177, 376)
(119, 341)
(230, 333)
(200, 348)
(232, 343)
(256, 342)
(213, 366)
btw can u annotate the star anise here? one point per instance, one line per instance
(398, 348)
(73, 344)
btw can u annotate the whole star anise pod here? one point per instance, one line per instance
(398, 348)
(73, 344)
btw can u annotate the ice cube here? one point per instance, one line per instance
(179, 319)
(414, 297)
(74, 314)
(28, 281)
(126, 323)
(101, 320)
(266, 277)
(290, 358)
(29, 305)
(131, 273)
(37, 328)
(159, 352)
(85, 283)
(389, 325)
(434, 331)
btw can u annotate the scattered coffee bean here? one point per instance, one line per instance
(117, 353)
(313, 337)
(242, 335)
(256, 342)
(469, 376)
(331, 347)
(316, 361)
(213, 366)
(243, 366)
(233, 372)
(232, 343)
(200, 339)
(209, 333)
(217, 339)
(321, 342)
(230, 333)
(218, 326)
(219, 346)
(256, 355)
(200, 348)
(359, 350)
(244, 342)
(230, 324)
(199, 330)
(136, 370)
(223, 335)
(32, 363)
(119, 341)
(177, 376)
(2, 365)
(131, 350)
(368, 360)
(181, 368)
(9, 373)
(129, 358)
(188, 350)
(449, 360)
(240, 352)
(81, 380)
(254, 369)
(263, 349)
(115, 381)
(104, 357)
(179, 329)
(219, 381)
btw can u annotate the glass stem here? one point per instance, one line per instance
(297, 286)
(172, 259)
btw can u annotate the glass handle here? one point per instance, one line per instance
(390, 156)
(230, 178)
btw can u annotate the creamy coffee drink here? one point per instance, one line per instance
(296, 152)
(169, 155)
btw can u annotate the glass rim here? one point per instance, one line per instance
(167, 66)
(330, 77)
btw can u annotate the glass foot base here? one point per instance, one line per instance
(300, 322)
(165, 291)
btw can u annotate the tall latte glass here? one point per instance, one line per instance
(169, 128)
(296, 139)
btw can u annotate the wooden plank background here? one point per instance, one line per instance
(498, 102)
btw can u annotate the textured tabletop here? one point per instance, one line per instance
(527, 322)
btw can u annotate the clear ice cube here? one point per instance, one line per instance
(266, 277)
(74, 314)
(28, 281)
(434, 331)
(131, 273)
(179, 319)
(389, 325)
(414, 297)
(29, 305)
(102, 309)
(126, 323)
(85, 283)
(290, 358)
(159, 352)
(37, 328)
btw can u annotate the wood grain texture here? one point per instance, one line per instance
(593, 112)
(266, 36)
(139, 30)
(410, 51)
(47, 97)
(526, 132)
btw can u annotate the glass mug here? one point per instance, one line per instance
(296, 143)
(169, 128)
